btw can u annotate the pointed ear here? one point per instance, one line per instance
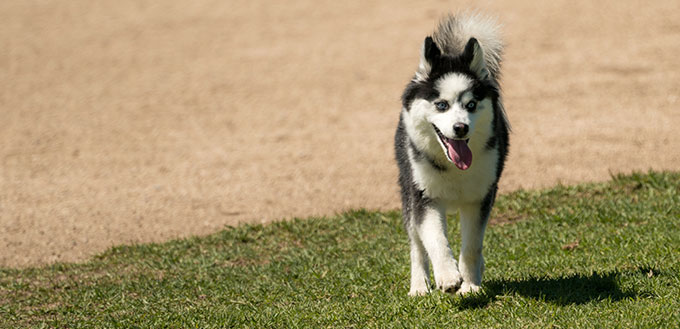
(429, 55)
(474, 56)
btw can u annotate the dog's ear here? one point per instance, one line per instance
(429, 55)
(473, 55)
(431, 51)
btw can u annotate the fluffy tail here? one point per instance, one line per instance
(454, 31)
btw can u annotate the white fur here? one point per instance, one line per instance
(432, 233)
(471, 261)
(450, 87)
(420, 273)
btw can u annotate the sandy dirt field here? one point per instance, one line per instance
(133, 121)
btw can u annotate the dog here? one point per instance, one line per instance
(451, 144)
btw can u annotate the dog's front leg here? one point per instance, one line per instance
(473, 218)
(420, 272)
(431, 227)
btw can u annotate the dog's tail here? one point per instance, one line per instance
(454, 32)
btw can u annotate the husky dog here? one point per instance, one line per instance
(451, 144)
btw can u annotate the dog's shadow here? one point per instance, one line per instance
(562, 291)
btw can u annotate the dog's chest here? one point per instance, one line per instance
(454, 185)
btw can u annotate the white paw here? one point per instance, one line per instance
(418, 291)
(467, 288)
(450, 282)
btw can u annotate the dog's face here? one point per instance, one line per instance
(450, 102)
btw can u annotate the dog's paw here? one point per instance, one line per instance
(419, 286)
(467, 288)
(451, 282)
(420, 291)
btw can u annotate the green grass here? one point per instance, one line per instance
(600, 255)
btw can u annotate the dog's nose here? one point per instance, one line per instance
(460, 129)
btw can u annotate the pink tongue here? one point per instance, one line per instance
(460, 153)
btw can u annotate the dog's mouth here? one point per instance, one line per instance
(457, 150)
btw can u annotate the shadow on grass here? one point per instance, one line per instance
(570, 290)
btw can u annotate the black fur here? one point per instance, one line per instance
(413, 200)
(418, 90)
(491, 143)
(487, 203)
(432, 52)
(501, 135)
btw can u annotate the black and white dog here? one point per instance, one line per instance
(451, 144)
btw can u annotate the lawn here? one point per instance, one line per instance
(600, 255)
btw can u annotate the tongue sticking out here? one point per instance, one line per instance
(460, 153)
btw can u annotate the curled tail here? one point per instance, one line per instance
(454, 31)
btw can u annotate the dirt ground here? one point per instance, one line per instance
(134, 121)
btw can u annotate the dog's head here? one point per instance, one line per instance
(449, 104)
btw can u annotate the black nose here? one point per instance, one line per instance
(460, 129)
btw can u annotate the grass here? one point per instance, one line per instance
(594, 255)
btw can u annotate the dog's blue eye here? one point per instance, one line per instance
(471, 105)
(442, 106)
